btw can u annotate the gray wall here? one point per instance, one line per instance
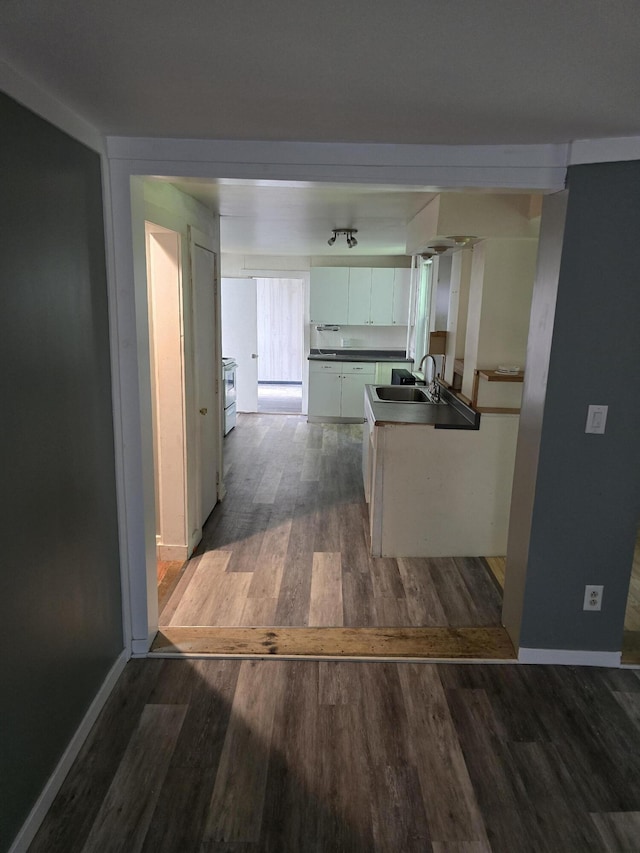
(59, 572)
(587, 490)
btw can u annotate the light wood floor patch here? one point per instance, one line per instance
(325, 605)
(439, 643)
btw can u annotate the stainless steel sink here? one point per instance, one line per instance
(404, 394)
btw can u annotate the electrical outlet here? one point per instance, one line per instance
(592, 597)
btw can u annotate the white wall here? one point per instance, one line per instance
(362, 337)
(502, 274)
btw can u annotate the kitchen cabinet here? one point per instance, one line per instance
(359, 311)
(381, 311)
(360, 296)
(329, 296)
(401, 292)
(371, 296)
(336, 389)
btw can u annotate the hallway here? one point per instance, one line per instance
(287, 548)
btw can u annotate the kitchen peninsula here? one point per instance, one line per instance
(437, 478)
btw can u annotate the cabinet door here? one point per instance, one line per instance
(401, 291)
(325, 391)
(382, 296)
(353, 394)
(329, 297)
(359, 296)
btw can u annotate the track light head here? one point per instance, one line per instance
(348, 233)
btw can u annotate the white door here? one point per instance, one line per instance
(240, 337)
(206, 379)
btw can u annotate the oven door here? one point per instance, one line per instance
(229, 385)
(229, 418)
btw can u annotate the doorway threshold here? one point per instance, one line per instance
(490, 643)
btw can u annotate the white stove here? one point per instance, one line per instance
(229, 366)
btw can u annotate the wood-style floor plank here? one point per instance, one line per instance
(325, 604)
(440, 762)
(441, 643)
(235, 811)
(124, 818)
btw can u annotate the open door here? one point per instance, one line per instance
(240, 337)
(207, 374)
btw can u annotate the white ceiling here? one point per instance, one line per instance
(409, 71)
(274, 218)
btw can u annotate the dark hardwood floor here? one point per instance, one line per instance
(288, 546)
(206, 756)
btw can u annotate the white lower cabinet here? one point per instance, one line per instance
(336, 389)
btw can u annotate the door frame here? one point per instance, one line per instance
(169, 395)
(434, 168)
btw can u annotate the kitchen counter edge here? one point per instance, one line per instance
(455, 415)
(338, 354)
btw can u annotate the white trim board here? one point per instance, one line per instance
(433, 167)
(612, 150)
(37, 814)
(570, 657)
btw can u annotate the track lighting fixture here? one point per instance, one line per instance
(348, 233)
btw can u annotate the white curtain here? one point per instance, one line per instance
(418, 342)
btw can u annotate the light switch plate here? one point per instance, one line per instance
(596, 419)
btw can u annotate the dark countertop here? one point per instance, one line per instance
(455, 415)
(349, 354)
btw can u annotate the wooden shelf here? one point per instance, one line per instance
(498, 376)
(494, 376)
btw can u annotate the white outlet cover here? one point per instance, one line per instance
(596, 419)
(593, 597)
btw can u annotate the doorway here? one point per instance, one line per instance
(263, 329)
(166, 351)
(183, 335)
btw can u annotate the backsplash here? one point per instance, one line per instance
(360, 337)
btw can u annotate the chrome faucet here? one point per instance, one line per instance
(433, 387)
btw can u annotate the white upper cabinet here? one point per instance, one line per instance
(401, 291)
(329, 300)
(359, 296)
(381, 313)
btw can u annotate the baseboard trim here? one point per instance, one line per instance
(140, 648)
(570, 657)
(172, 552)
(37, 814)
